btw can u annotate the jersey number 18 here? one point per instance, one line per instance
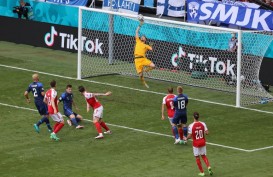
(181, 104)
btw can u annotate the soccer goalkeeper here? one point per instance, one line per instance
(140, 55)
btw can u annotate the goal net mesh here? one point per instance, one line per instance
(182, 54)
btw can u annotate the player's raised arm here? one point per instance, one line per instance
(103, 94)
(138, 28)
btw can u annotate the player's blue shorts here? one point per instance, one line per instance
(42, 108)
(69, 112)
(180, 118)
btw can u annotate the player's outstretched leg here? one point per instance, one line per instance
(150, 67)
(108, 131)
(143, 81)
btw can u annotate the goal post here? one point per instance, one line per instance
(184, 53)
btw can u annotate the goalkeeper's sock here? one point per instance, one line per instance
(142, 79)
(104, 126)
(206, 160)
(149, 68)
(198, 162)
(185, 130)
(98, 127)
(175, 132)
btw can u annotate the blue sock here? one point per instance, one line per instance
(48, 124)
(74, 121)
(185, 130)
(175, 130)
(78, 120)
(41, 121)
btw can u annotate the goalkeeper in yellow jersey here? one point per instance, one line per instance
(140, 55)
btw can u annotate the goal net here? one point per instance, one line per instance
(188, 54)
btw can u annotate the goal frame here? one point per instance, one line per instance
(238, 32)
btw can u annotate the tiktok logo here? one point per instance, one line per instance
(49, 37)
(177, 57)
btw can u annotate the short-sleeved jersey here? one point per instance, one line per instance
(197, 130)
(167, 100)
(92, 100)
(180, 102)
(51, 93)
(67, 99)
(141, 48)
(36, 88)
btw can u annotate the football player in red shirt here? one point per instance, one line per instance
(197, 131)
(91, 101)
(51, 100)
(167, 102)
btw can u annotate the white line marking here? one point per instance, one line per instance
(259, 149)
(148, 132)
(129, 88)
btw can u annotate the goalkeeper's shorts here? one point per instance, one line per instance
(140, 63)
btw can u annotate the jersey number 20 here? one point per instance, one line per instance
(199, 134)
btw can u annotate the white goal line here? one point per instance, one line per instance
(149, 132)
(130, 88)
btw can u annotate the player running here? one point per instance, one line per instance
(37, 90)
(197, 131)
(167, 102)
(91, 101)
(67, 99)
(51, 100)
(180, 103)
(140, 55)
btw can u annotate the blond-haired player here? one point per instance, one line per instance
(140, 55)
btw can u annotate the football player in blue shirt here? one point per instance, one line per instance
(67, 99)
(180, 103)
(37, 90)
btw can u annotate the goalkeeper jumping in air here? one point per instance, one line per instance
(140, 55)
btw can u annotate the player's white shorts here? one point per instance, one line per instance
(57, 117)
(98, 112)
(199, 151)
(171, 120)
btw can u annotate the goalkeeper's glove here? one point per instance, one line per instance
(151, 44)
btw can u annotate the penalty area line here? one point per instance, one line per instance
(148, 132)
(130, 88)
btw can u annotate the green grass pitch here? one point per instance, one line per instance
(234, 140)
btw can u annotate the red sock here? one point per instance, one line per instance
(98, 127)
(104, 126)
(198, 161)
(180, 131)
(206, 160)
(58, 128)
(55, 126)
